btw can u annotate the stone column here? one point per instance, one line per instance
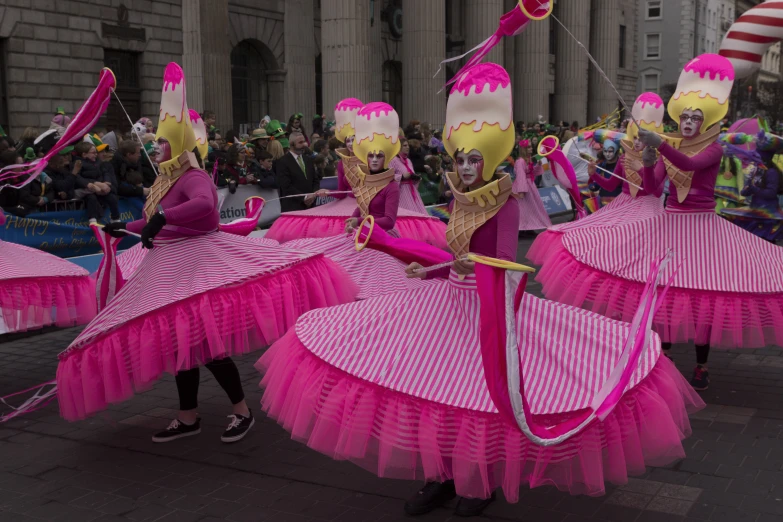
(345, 51)
(531, 72)
(423, 48)
(571, 66)
(481, 20)
(276, 82)
(300, 51)
(376, 55)
(207, 48)
(604, 46)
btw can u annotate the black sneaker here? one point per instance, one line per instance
(431, 496)
(472, 507)
(701, 378)
(238, 427)
(177, 430)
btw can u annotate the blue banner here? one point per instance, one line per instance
(64, 233)
(555, 201)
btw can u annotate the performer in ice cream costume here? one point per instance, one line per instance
(532, 214)
(603, 269)
(633, 201)
(410, 199)
(430, 397)
(198, 297)
(328, 220)
(377, 194)
(763, 216)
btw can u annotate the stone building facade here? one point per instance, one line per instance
(247, 58)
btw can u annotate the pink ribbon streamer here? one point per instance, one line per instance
(84, 120)
(108, 278)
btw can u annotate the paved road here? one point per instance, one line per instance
(107, 469)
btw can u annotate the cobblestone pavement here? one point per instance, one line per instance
(107, 469)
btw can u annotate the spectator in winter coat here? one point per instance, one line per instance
(128, 170)
(63, 179)
(261, 170)
(95, 183)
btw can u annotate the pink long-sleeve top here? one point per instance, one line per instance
(403, 168)
(523, 182)
(342, 183)
(705, 166)
(190, 207)
(496, 238)
(383, 206)
(654, 188)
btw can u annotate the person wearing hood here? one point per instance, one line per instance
(128, 170)
(610, 154)
(94, 184)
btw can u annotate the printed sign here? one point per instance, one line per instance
(232, 206)
(555, 199)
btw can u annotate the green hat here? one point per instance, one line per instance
(2, 132)
(66, 150)
(60, 110)
(96, 141)
(29, 154)
(150, 148)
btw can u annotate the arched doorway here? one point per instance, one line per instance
(392, 84)
(251, 60)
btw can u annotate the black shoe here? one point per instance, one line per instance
(238, 427)
(701, 378)
(472, 507)
(177, 430)
(431, 496)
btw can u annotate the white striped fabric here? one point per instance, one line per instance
(181, 269)
(751, 35)
(130, 259)
(18, 262)
(374, 272)
(621, 210)
(704, 244)
(425, 343)
(532, 214)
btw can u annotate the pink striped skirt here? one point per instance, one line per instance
(396, 385)
(603, 269)
(329, 220)
(532, 214)
(410, 199)
(38, 289)
(190, 301)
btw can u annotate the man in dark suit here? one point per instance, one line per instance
(296, 174)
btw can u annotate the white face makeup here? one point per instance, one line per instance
(470, 167)
(375, 161)
(691, 122)
(349, 143)
(609, 153)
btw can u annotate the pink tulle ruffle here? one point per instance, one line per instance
(397, 436)
(722, 319)
(287, 228)
(225, 322)
(27, 304)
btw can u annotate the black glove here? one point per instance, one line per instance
(151, 229)
(115, 229)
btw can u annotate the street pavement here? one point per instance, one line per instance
(107, 469)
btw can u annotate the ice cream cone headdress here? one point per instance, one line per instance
(174, 124)
(705, 84)
(648, 111)
(377, 130)
(479, 116)
(345, 116)
(200, 132)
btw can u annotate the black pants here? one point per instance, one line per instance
(226, 374)
(702, 352)
(95, 205)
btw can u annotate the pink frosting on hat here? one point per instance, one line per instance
(349, 104)
(649, 98)
(195, 117)
(715, 65)
(172, 76)
(374, 109)
(481, 75)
